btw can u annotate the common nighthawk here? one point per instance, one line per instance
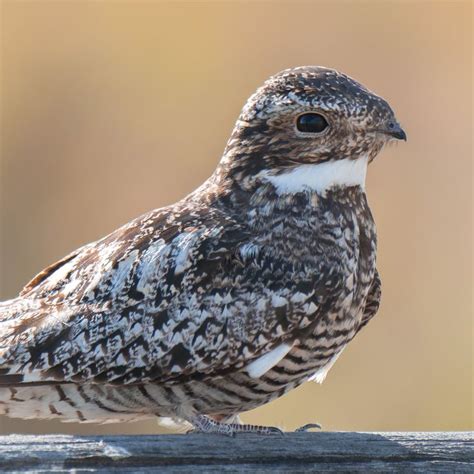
(228, 299)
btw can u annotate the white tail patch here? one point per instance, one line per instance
(265, 362)
(320, 177)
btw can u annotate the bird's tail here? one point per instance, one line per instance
(25, 394)
(64, 402)
(12, 313)
(19, 399)
(16, 317)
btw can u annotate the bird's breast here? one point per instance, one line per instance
(331, 243)
(305, 228)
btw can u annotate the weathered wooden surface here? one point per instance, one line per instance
(292, 452)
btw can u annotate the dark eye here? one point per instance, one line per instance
(311, 123)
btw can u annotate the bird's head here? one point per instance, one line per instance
(306, 116)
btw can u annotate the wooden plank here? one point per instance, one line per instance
(291, 452)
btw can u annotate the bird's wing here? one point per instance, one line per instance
(173, 295)
(373, 301)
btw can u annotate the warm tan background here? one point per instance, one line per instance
(110, 109)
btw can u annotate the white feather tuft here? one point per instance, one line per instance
(320, 177)
(265, 362)
(322, 372)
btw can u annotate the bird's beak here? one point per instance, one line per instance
(394, 130)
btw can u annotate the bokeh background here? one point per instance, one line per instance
(110, 109)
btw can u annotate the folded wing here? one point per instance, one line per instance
(168, 297)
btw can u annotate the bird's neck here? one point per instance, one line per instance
(275, 183)
(319, 177)
(300, 193)
(249, 163)
(252, 172)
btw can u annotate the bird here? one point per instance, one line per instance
(228, 299)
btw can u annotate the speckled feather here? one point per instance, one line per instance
(164, 316)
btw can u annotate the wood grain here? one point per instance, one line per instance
(291, 452)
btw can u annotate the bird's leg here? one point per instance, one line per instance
(204, 424)
(308, 427)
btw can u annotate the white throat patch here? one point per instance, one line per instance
(320, 177)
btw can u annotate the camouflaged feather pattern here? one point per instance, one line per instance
(163, 316)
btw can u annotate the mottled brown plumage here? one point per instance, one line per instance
(227, 299)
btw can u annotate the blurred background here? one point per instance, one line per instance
(110, 109)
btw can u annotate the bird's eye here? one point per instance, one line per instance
(311, 123)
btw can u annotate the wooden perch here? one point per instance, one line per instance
(291, 452)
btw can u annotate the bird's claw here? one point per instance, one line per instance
(308, 427)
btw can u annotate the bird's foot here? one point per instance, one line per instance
(307, 427)
(204, 424)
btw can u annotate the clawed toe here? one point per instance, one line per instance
(204, 424)
(308, 427)
(274, 430)
(261, 430)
